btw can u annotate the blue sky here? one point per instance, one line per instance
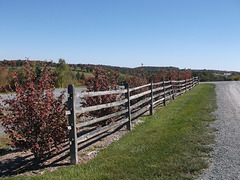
(196, 34)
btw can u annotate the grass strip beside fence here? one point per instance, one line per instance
(171, 144)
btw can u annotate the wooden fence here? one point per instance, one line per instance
(132, 103)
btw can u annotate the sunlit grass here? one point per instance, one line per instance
(4, 145)
(171, 144)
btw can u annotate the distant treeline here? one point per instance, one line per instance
(124, 70)
(77, 73)
(216, 75)
(204, 75)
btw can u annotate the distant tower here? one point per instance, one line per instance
(141, 64)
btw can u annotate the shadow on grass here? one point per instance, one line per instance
(4, 151)
(14, 164)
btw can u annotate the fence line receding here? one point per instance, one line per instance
(132, 103)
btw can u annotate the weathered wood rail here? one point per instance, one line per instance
(131, 106)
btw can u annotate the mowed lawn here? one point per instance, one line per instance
(171, 144)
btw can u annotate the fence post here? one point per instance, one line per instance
(173, 96)
(164, 95)
(192, 82)
(185, 85)
(151, 96)
(72, 123)
(128, 106)
(179, 87)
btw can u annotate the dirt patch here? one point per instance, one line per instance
(18, 163)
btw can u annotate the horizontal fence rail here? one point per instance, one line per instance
(131, 103)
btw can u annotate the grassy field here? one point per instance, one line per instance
(3, 93)
(171, 144)
(4, 144)
(87, 75)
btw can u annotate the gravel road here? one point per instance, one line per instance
(226, 156)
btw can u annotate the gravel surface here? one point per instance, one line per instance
(225, 162)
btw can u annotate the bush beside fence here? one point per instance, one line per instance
(131, 106)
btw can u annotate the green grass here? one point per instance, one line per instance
(4, 93)
(171, 144)
(4, 145)
(86, 74)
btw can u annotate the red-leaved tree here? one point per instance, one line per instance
(137, 79)
(103, 80)
(185, 75)
(35, 120)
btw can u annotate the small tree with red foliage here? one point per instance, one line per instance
(137, 79)
(35, 120)
(159, 76)
(102, 81)
(185, 75)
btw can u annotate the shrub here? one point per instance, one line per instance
(102, 81)
(35, 120)
(185, 75)
(138, 78)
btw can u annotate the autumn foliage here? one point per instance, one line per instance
(35, 120)
(102, 81)
(171, 74)
(138, 78)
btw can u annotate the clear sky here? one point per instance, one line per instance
(196, 34)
